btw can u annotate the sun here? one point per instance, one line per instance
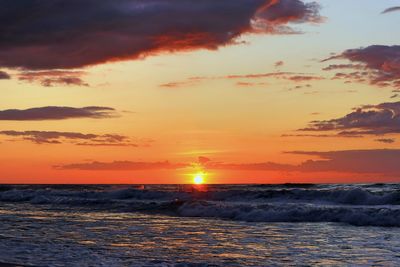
(198, 178)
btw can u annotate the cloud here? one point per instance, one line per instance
(53, 78)
(289, 76)
(391, 9)
(42, 35)
(256, 75)
(377, 64)
(4, 75)
(384, 161)
(178, 84)
(54, 137)
(320, 135)
(386, 140)
(380, 161)
(374, 161)
(279, 64)
(298, 87)
(304, 78)
(203, 160)
(164, 165)
(122, 166)
(262, 166)
(56, 113)
(378, 119)
(343, 66)
(41, 137)
(250, 84)
(394, 96)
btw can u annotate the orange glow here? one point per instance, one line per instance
(199, 178)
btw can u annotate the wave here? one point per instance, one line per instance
(356, 205)
(354, 196)
(365, 216)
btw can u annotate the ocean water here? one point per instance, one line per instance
(218, 225)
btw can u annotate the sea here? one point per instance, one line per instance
(205, 225)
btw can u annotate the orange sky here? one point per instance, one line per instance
(244, 94)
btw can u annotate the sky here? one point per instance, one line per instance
(158, 91)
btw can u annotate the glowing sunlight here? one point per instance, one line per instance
(199, 178)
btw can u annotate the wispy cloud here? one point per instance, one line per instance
(54, 137)
(180, 84)
(296, 78)
(279, 64)
(54, 78)
(250, 84)
(122, 166)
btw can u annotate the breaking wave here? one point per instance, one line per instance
(360, 216)
(361, 205)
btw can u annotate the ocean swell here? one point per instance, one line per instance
(357, 205)
(359, 216)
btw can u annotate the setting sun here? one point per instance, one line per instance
(199, 178)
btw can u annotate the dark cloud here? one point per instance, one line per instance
(386, 140)
(377, 64)
(284, 11)
(64, 34)
(378, 119)
(56, 113)
(4, 75)
(384, 161)
(343, 66)
(122, 166)
(53, 137)
(391, 9)
(394, 96)
(54, 78)
(380, 161)
(304, 78)
(41, 137)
